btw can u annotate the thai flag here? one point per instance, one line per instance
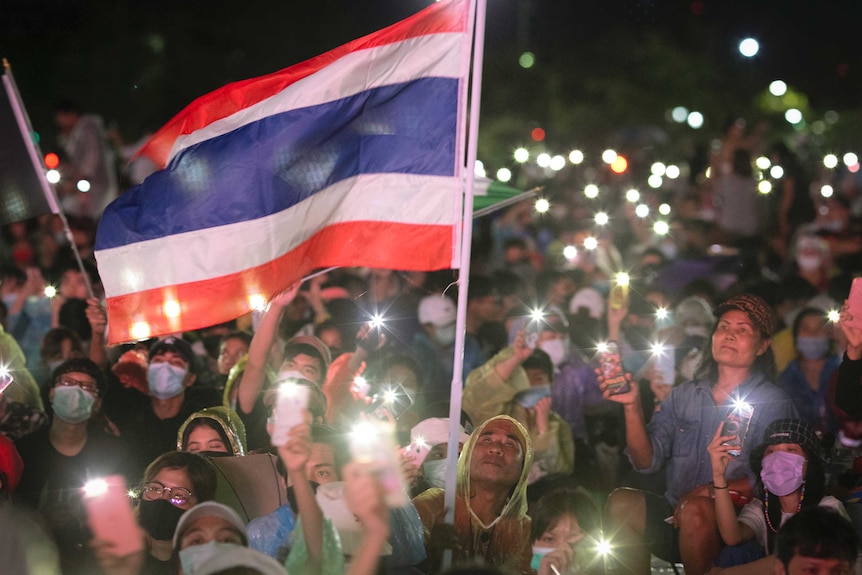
(352, 158)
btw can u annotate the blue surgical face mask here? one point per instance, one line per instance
(538, 553)
(72, 404)
(165, 380)
(191, 558)
(812, 347)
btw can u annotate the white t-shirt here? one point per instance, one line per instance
(752, 515)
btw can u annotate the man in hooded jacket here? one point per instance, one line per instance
(491, 523)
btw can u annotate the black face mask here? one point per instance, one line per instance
(159, 518)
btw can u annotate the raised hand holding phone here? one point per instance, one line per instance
(110, 516)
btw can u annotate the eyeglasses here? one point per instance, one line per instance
(88, 386)
(154, 491)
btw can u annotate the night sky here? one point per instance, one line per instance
(138, 62)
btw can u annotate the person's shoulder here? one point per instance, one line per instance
(32, 443)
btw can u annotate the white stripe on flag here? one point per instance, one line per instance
(219, 251)
(429, 56)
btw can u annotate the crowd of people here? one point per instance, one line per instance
(312, 436)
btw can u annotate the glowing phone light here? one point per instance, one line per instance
(95, 487)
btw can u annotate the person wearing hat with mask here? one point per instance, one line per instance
(434, 346)
(789, 464)
(738, 367)
(246, 389)
(428, 449)
(153, 426)
(59, 459)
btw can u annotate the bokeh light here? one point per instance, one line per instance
(830, 161)
(642, 210)
(591, 243)
(479, 169)
(749, 47)
(793, 116)
(602, 218)
(591, 191)
(608, 156)
(654, 181)
(826, 191)
(633, 195)
(777, 88)
(661, 227)
(53, 176)
(504, 174)
(658, 169)
(679, 114)
(619, 165)
(576, 156)
(542, 205)
(764, 187)
(521, 155)
(543, 160)
(762, 162)
(672, 172)
(664, 209)
(695, 120)
(538, 134)
(850, 159)
(776, 172)
(558, 163)
(527, 60)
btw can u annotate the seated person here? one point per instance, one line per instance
(491, 522)
(60, 459)
(517, 382)
(172, 484)
(789, 464)
(212, 430)
(151, 422)
(816, 540)
(566, 531)
(738, 364)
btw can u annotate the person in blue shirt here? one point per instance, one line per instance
(806, 379)
(680, 525)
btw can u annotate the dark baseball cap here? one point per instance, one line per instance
(176, 345)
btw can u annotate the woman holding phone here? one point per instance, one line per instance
(736, 375)
(789, 466)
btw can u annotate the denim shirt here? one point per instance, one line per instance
(687, 421)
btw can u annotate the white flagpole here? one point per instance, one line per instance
(26, 129)
(464, 271)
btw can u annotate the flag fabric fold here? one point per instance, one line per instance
(352, 158)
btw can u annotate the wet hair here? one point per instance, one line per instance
(817, 532)
(540, 360)
(552, 506)
(81, 365)
(212, 424)
(201, 472)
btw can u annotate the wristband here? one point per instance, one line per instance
(714, 486)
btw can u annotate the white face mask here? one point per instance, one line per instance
(445, 336)
(191, 558)
(435, 473)
(808, 263)
(165, 380)
(556, 350)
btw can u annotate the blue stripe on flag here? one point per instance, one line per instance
(277, 162)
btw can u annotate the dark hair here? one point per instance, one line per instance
(480, 286)
(294, 349)
(67, 106)
(559, 502)
(8, 272)
(805, 312)
(212, 424)
(243, 336)
(201, 472)
(817, 532)
(540, 360)
(52, 341)
(321, 433)
(815, 489)
(81, 365)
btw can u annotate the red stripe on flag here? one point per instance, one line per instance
(227, 100)
(204, 303)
